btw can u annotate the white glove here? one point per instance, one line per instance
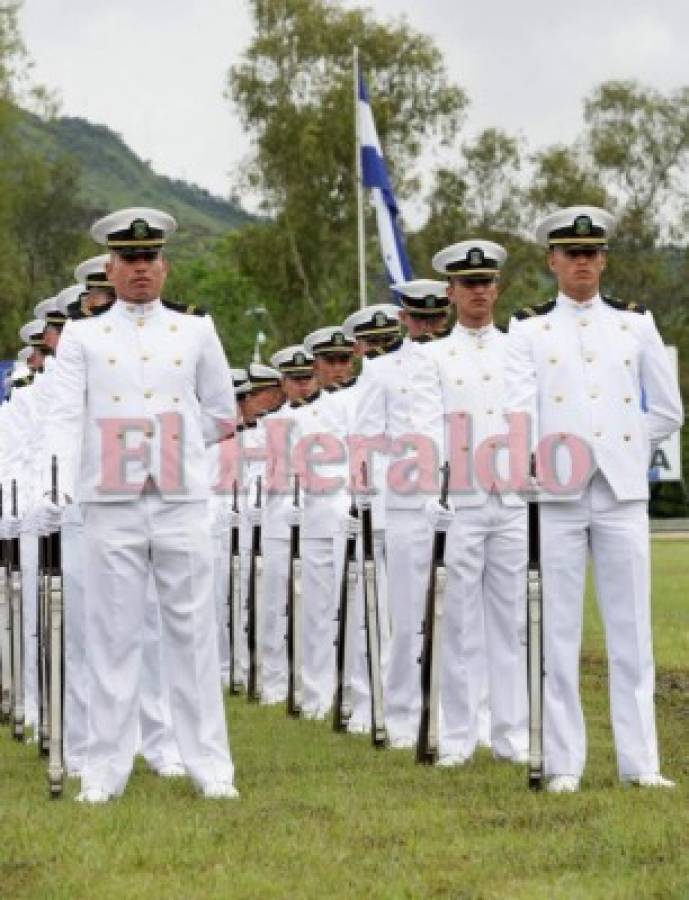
(234, 519)
(11, 526)
(351, 525)
(226, 517)
(438, 516)
(294, 516)
(255, 515)
(29, 524)
(47, 516)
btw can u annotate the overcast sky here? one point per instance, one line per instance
(155, 71)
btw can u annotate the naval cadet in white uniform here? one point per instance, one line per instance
(295, 368)
(385, 410)
(143, 387)
(579, 365)
(485, 553)
(325, 514)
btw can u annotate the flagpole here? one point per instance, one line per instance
(361, 232)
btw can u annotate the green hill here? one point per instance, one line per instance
(113, 176)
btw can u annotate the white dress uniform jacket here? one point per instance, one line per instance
(465, 380)
(581, 369)
(134, 377)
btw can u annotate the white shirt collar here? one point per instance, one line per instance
(475, 333)
(568, 303)
(139, 310)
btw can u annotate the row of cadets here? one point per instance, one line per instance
(389, 381)
(318, 421)
(459, 404)
(293, 366)
(23, 428)
(375, 330)
(267, 390)
(222, 456)
(263, 398)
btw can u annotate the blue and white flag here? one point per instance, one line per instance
(375, 177)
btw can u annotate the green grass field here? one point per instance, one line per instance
(323, 815)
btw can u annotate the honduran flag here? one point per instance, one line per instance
(375, 177)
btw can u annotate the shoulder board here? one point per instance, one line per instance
(538, 309)
(376, 352)
(303, 401)
(438, 335)
(270, 412)
(90, 313)
(625, 306)
(188, 309)
(432, 336)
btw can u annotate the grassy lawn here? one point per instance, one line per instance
(323, 815)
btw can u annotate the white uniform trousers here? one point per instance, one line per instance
(28, 548)
(158, 745)
(76, 686)
(321, 573)
(409, 543)
(157, 742)
(485, 557)
(274, 619)
(221, 583)
(617, 534)
(125, 542)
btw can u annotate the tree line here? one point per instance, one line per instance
(292, 90)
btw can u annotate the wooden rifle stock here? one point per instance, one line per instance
(428, 740)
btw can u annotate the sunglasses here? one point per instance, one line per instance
(130, 256)
(588, 252)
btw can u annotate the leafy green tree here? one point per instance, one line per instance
(294, 93)
(563, 176)
(42, 222)
(213, 282)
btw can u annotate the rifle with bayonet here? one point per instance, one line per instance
(427, 744)
(55, 657)
(255, 678)
(534, 648)
(342, 706)
(5, 629)
(372, 619)
(295, 618)
(42, 618)
(234, 598)
(17, 711)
